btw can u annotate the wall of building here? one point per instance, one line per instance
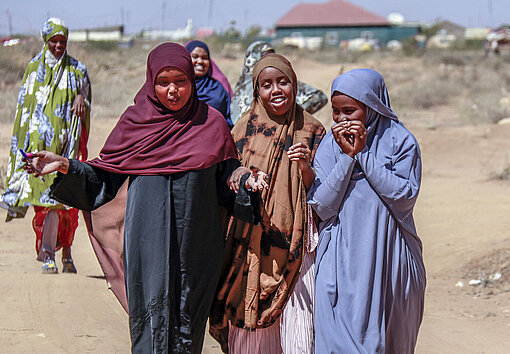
(334, 35)
(82, 36)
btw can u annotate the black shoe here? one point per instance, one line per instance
(68, 266)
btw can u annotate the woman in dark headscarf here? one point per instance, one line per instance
(177, 154)
(311, 99)
(207, 78)
(279, 137)
(370, 277)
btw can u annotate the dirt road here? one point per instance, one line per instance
(462, 217)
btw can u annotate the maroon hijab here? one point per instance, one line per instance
(149, 139)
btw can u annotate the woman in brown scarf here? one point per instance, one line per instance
(278, 137)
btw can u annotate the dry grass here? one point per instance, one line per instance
(492, 270)
(503, 175)
(473, 85)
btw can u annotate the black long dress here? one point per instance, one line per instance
(173, 246)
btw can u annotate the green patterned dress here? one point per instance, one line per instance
(44, 121)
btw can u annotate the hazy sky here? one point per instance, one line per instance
(27, 16)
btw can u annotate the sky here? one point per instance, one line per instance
(27, 16)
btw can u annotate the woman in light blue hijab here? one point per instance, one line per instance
(370, 277)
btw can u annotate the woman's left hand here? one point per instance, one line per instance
(79, 107)
(269, 316)
(235, 178)
(301, 154)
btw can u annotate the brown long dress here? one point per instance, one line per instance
(266, 257)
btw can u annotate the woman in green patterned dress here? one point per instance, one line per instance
(52, 113)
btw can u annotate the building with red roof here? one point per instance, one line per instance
(338, 20)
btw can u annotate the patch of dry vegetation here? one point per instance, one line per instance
(490, 274)
(477, 88)
(116, 74)
(13, 61)
(503, 175)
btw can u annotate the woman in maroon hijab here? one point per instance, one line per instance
(180, 160)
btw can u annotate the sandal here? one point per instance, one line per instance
(68, 266)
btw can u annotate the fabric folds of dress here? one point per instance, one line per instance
(44, 121)
(172, 247)
(175, 164)
(266, 257)
(370, 276)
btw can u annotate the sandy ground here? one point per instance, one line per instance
(462, 217)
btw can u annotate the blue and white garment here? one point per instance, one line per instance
(44, 121)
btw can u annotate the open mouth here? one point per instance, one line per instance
(278, 100)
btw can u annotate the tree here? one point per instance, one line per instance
(253, 31)
(232, 32)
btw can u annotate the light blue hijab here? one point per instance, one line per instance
(368, 87)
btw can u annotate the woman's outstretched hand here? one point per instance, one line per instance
(43, 162)
(257, 181)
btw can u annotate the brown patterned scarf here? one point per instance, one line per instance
(266, 257)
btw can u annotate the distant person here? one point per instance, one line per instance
(212, 86)
(269, 268)
(181, 163)
(370, 276)
(420, 39)
(309, 98)
(53, 114)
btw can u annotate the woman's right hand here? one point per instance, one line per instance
(257, 180)
(43, 162)
(350, 136)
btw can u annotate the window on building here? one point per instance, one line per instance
(367, 35)
(331, 38)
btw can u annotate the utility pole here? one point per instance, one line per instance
(491, 18)
(163, 11)
(127, 18)
(9, 21)
(210, 12)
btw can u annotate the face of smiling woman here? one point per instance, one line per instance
(173, 88)
(57, 45)
(200, 60)
(275, 90)
(347, 108)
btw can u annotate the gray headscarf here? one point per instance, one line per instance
(243, 91)
(368, 87)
